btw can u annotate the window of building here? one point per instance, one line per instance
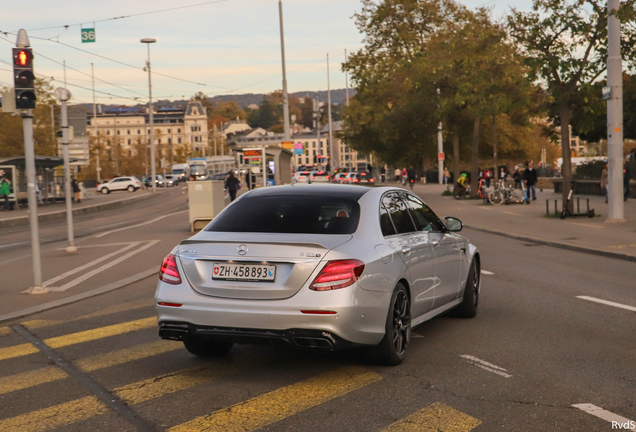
(107, 132)
(128, 142)
(178, 130)
(169, 131)
(128, 132)
(118, 133)
(179, 141)
(138, 132)
(169, 140)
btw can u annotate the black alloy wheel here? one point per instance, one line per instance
(468, 307)
(393, 347)
(401, 323)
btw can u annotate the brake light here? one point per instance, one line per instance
(338, 274)
(312, 176)
(169, 272)
(371, 180)
(356, 180)
(327, 177)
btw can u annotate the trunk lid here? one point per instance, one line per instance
(295, 256)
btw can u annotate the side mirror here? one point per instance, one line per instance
(453, 224)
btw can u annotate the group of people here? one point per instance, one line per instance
(627, 176)
(527, 177)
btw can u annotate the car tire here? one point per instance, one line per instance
(131, 189)
(392, 350)
(468, 307)
(105, 191)
(207, 347)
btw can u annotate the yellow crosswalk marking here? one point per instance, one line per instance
(140, 304)
(435, 418)
(29, 379)
(102, 361)
(75, 338)
(55, 416)
(284, 402)
(5, 331)
(141, 391)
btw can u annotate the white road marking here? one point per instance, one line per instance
(512, 213)
(486, 272)
(90, 264)
(12, 244)
(101, 269)
(608, 303)
(487, 366)
(618, 422)
(140, 224)
(416, 335)
(585, 225)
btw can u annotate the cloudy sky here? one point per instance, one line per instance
(231, 46)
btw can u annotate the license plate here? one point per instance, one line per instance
(244, 272)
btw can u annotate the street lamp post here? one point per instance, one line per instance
(63, 95)
(153, 173)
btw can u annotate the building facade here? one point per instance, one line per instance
(172, 126)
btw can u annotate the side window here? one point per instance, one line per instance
(399, 213)
(424, 217)
(385, 222)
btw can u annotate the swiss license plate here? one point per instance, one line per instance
(244, 272)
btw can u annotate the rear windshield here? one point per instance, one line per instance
(322, 174)
(177, 171)
(290, 215)
(362, 175)
(303, 174)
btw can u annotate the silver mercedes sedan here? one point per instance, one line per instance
(317, 267)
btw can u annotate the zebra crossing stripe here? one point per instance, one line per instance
(434, 418)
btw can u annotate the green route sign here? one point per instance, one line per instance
(88, 35)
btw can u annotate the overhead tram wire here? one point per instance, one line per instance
(131, 15)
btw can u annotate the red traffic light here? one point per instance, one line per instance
(23, 57)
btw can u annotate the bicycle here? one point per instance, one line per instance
(461, 192)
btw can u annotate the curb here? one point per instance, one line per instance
(24, 220)
(557, 245)
(78, 297)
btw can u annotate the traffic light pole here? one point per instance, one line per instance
(29, 155)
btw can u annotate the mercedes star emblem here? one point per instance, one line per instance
(242, 250)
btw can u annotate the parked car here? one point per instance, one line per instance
(158, 181)
(300, 177)
(130, 184)
(319, 177)
(349, 177)
(363, 177)
(317, 267)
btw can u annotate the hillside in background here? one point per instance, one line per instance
(337, 97)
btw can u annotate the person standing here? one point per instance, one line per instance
(502, 176)
(232, 184)
(517, 177)
(76, 190)
(446, 176)
(5, 191)
(605, 182)
(382, 174)
(397, 175)
(487, 176)
(405, 176)
(530, 179)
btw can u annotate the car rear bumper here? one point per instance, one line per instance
(359, 318)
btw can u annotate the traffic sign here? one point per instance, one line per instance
(298, 145)
(253, 153)
(88, 35)
(289, 145)
(440, 157)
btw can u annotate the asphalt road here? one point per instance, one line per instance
(534, 350)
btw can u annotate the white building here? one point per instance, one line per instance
(172, 126)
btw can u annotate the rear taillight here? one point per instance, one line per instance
(327, 177)
(312, 176)
(371, 180)
(356, 180)
(169, 272)
(338, 274)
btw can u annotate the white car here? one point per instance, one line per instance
(349, 178)
(131, 184)
(300, 177)
(319, 177)
(339, 178)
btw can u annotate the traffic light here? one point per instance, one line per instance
(24, 79)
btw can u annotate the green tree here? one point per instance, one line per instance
(565, 44)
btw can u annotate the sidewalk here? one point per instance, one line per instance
(92, 202)
(529, 222)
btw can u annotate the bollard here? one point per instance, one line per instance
(578, 207)
(547, 207)
(556, 212)
(588, 205)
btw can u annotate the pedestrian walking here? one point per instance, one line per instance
(517, 177)
(446, 176)
(397, 175)
(627, 176)
(487, 176)
(605, 182)
(383, 174)
(530, 179)
(76, 190)
(405, 176)
(5, 191)
(502, 176)
(232, 184)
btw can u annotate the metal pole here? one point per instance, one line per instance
(29, 153)
(332, 147)
(615, 115)
(98, 169)
(264, 164)
(285, 96)
(440, 149)
(116, 143)
(319, 143)
(346, 82)
(67, 180)
(152, 129)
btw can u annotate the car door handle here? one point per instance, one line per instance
(406, 250)
(435, 243)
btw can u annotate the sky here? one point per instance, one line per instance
(229, 46)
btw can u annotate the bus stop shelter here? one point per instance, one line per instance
(49, 175)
